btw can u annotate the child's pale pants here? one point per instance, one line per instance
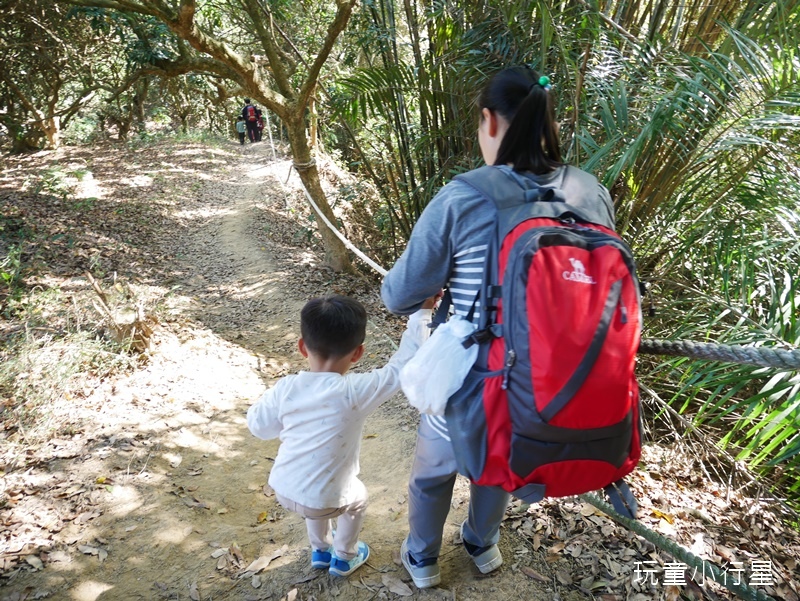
(320, 528)
(430, 492)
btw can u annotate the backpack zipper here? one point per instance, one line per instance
(511, 358)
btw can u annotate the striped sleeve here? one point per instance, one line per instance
(447, 248)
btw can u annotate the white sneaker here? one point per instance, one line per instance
(487, 559)
(423, 576)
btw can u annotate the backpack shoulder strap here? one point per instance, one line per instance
(576, 195)
(582, 191)
(494, 184)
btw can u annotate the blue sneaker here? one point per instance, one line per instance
(321, 559)
(343, 567)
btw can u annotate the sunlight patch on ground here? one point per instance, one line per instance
(186, 439)
(203, 213)
(260, 172)
(87, 187)
(126, 500)
(174, 534)
(308, 258)
(236, 291)
(90, 591)
(137, 181)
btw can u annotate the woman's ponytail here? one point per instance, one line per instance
(523, 98)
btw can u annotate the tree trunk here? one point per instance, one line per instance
(336, 255)
(51, 127)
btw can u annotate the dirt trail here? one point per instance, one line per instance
(164, 496)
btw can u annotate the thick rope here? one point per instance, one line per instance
(762, 356)
(681, 553)
(331, 227)
(304, 166)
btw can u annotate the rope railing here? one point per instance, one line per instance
(709, 351)
(681, 553)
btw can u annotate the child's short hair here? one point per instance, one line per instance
(333, 326)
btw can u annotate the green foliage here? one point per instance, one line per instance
(54, 180)
(10, 269)
(84, 129)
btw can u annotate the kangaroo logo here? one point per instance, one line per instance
(578, 273)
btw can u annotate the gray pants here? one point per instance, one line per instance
(430, 491)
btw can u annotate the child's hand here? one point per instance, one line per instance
(431, 302)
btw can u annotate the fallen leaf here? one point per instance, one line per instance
(219, 552)
(236, 552)
(563, 577)
(87, 550)
(395, 585)
(262, 517)
(531, 573)
(34, 561)
(665, 516)
(725, 553)
(258, 565)
(196, 503)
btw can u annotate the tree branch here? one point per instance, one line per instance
(273, 56)
(343, 10)
(144, 8)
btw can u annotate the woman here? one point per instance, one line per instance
(518, 134)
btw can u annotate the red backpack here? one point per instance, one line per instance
(551, 406)
(251, 112)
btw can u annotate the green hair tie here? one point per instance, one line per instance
(544, 81)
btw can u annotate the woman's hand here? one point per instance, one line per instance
(432, 301)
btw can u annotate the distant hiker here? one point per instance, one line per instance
(241, 128)
(251, 114)
(260, 125)
(319, 417)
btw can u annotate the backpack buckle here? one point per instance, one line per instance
(479, 337)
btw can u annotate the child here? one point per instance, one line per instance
(319, 416)
(241, 128)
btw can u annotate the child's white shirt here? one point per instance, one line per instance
(319, 418)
